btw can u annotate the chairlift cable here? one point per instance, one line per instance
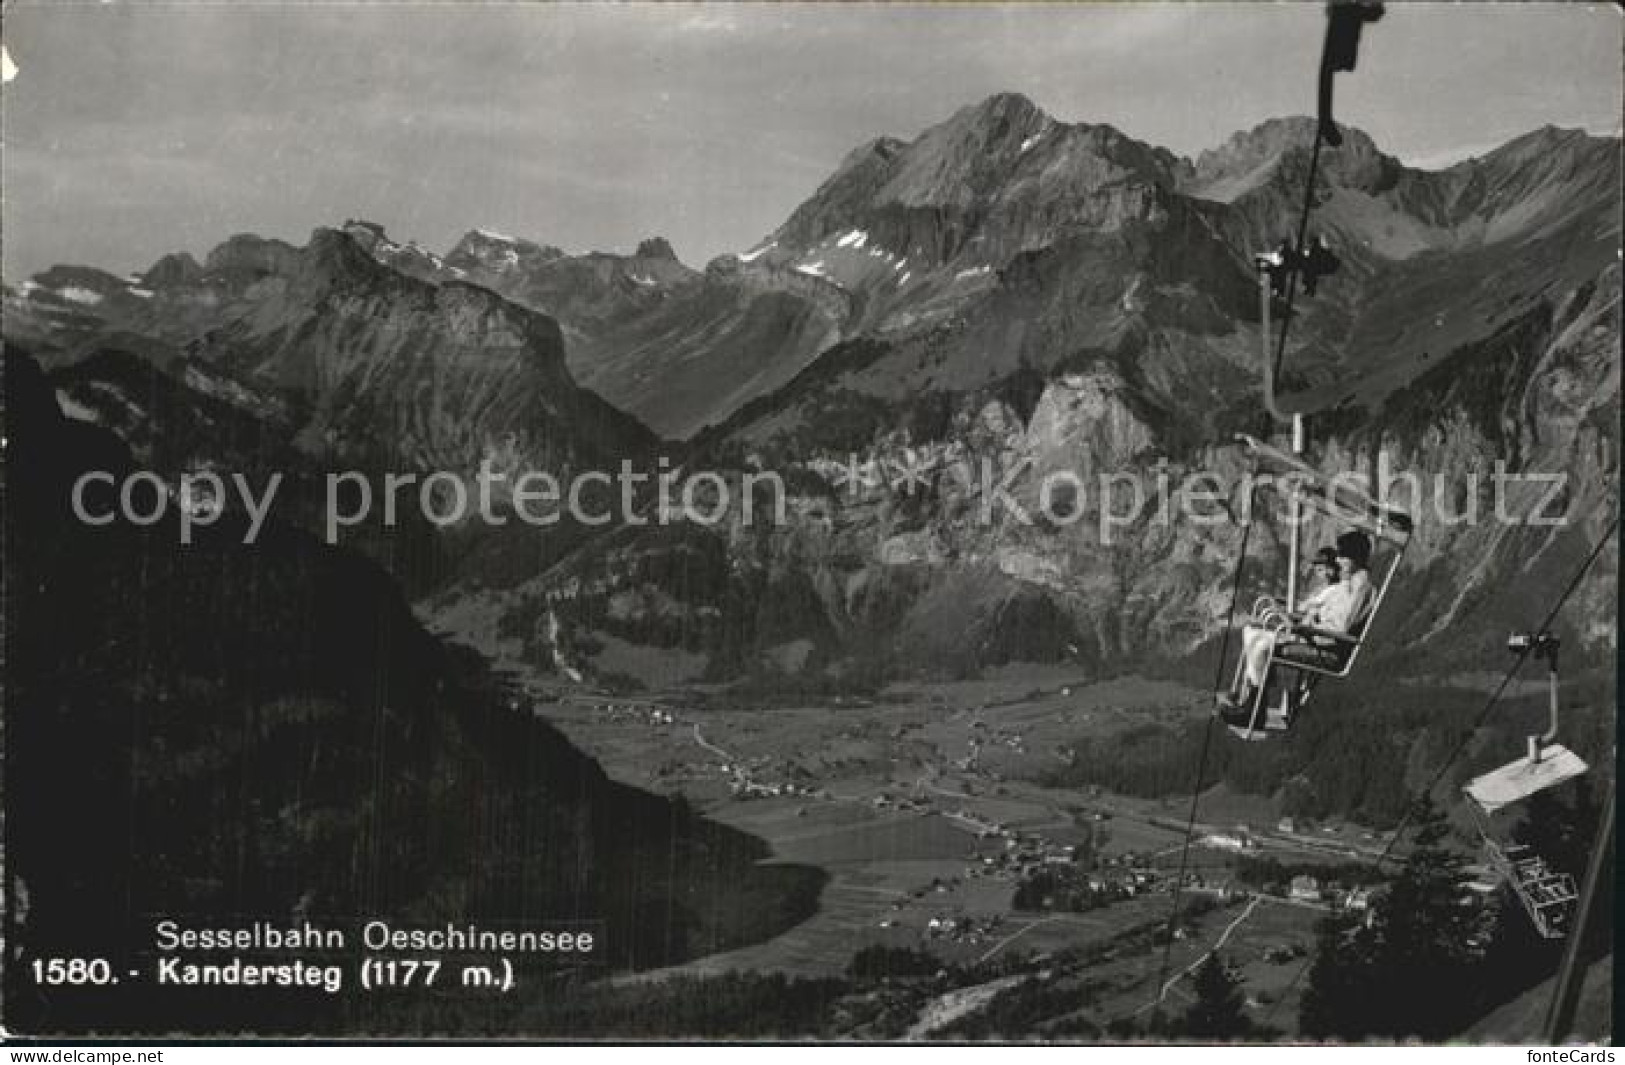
(1461, 744)
(1179, 881)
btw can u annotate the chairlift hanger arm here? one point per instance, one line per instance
(1549, 649)
(1265, 295)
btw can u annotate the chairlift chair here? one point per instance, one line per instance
(1548, 897)
(1352, 506)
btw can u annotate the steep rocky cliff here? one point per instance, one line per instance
(947, 568)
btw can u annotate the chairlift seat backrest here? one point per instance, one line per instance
(1519, 780)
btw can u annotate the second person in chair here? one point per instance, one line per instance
(1339, 608)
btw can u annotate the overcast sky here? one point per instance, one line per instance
(132, 130)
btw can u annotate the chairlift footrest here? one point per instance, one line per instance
(1274, 722)
(1518, 780)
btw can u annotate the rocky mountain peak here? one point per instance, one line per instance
(409, 258)
(85, 279)
(331, 258)
(364, 231)
(252, 254)
(1003, 109)
(485, 249)
(334, 257)
(954, 163)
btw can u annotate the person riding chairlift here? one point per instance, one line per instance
(1338, 607)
